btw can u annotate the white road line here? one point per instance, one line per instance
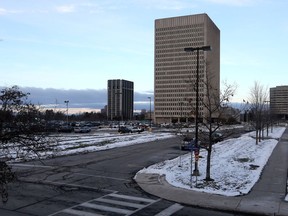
(106, 208)
(133, 205)
(170, 210)
(80, 213)
(132, 198)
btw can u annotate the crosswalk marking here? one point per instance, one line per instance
(122, 204)
(132, 198)
(134, 205)
(115, 203)
(170, 210)
(107, 208)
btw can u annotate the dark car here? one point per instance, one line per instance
(124, 130)
(187, 143)
(65, 129)
(82, 129)
(217, 137)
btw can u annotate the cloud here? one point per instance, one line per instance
(65, 9)
(79, 99)
(165, 4)
(4, 11)
(233, 2)
(99, 7)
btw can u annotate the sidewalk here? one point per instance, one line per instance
(266, 197)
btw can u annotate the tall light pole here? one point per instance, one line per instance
(67, 102)
(197, 147)
(150, 113)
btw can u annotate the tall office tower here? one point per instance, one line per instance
(175, 71)
(279, 102)
(120, 99)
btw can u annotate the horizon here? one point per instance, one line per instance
(88, 100)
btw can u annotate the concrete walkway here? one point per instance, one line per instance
(266, 197)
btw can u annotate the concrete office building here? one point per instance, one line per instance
(175, 70)
(279, 102)
(120, 100)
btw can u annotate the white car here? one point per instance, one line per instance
(136, 129)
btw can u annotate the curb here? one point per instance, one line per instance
(238, 204)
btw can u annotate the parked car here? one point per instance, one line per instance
(65, 129)
(124, 130)
(187, 143)
(137, 129)
(217, 137)
(82, 129)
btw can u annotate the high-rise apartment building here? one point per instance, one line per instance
(279, 102)
(120, 99)
(175, 70)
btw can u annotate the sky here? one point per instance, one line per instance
(77, 45)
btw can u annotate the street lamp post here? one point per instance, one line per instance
(67, 101)
(150, 114)
(197, 49)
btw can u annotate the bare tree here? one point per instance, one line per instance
(214, 104)
(22, 132)
(257, 99)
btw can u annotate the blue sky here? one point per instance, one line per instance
(80, 44)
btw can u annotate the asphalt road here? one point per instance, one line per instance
(99, 183)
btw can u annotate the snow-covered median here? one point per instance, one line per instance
(236, 165)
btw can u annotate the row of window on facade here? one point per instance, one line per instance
(187, 78)
(176, 78)
(186, 88)
(162, 54)
(185, 39)
(175, 106)
(178, 61)
(178, 49)
(167, 64)
(184, 74)
(179, 98)
(180, 28)
(177, 113)
(170, 48)
(178, 68)
(167, 89)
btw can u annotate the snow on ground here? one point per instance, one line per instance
(236, 165)
(107, 141)
(71, 143)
